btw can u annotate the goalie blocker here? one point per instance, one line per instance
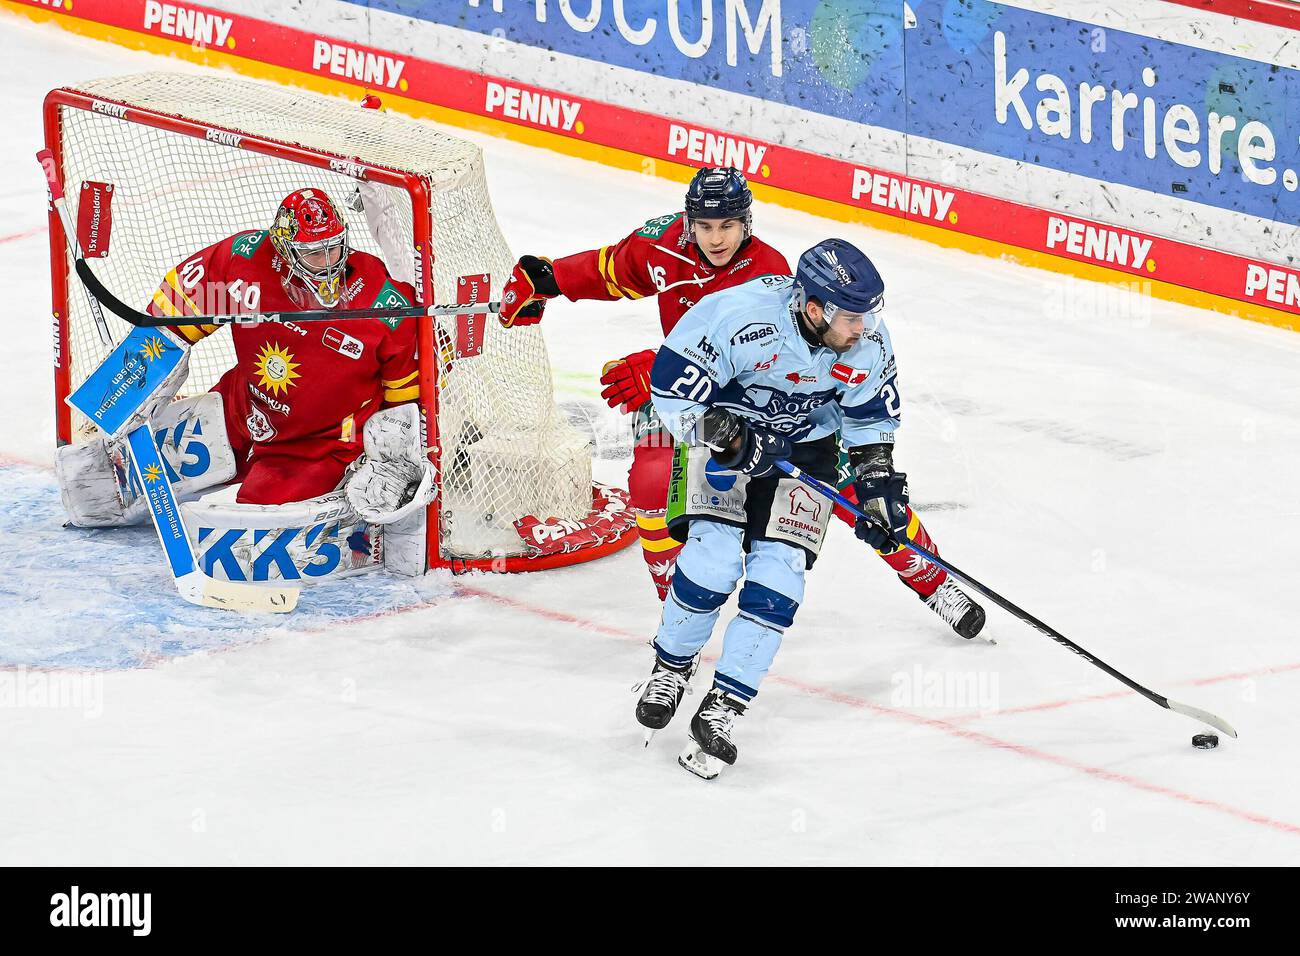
(304, 541)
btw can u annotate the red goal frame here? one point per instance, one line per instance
(414, 185)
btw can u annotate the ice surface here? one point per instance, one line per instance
(1125, 469)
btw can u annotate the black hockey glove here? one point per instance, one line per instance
(882, 495)
(737, 446)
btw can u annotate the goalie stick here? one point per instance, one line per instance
(1186, 710)
(99, 294)
(146, 463)
(61, 207)
(144, 320)
(193, 585)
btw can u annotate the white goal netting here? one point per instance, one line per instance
(506, 450)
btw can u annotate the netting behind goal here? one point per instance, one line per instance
(193, 159)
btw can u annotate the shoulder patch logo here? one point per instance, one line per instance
(247, 244)
(655, 228)
(344, 344)
(390, 298)
(847, 374)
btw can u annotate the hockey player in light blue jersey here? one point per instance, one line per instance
(772, 369)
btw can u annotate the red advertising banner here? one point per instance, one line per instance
(95, 219)
(1202, 269)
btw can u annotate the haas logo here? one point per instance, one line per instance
(803, 503)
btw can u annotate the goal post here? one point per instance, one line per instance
(192, 159)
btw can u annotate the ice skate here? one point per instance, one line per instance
(661, 694)
(711, 747)
(957, 609)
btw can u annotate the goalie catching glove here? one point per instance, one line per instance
(394, 477)
(739, 447)
(531, 283)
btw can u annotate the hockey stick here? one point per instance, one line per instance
(146, 463)
(193, 585)
(70, 233)
(146, 321)
(100, 294)
(1187, 711)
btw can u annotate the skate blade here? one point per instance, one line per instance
(703, 765)
(649, 735)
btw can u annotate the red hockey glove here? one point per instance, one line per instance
(531, 283)
(627, 380)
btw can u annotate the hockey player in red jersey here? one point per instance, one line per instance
(680, 258)
(298, 397)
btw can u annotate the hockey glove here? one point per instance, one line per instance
(627, 381)
(739, 447)
(394, 478)
(385, 491)
(531, 283)
(882, 495)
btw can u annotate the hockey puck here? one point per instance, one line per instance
(1205, 741)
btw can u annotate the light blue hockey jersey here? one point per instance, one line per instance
(739, 348)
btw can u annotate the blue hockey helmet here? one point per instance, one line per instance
(719, 192)
(842, 280)
(839, 276)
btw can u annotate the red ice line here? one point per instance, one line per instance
(22, 235)
(950, 726)
(947, 726)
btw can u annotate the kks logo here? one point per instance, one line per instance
(183, 451)
(290, 553)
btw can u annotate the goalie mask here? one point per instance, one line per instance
(311, 239)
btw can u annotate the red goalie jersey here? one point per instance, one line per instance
(298, 396)
(659, 259)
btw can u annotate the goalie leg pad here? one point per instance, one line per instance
(95, 478)
(303, 542)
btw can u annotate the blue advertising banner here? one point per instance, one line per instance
(126, 378)
(838, 57)
(1113, 106)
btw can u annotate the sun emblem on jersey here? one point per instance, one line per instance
(276, 369)
(153, 348)
(152, 473)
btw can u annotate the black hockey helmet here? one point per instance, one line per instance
(719, 192)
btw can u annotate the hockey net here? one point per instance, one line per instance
(192, 159)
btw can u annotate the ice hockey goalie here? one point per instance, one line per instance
(289, 421)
